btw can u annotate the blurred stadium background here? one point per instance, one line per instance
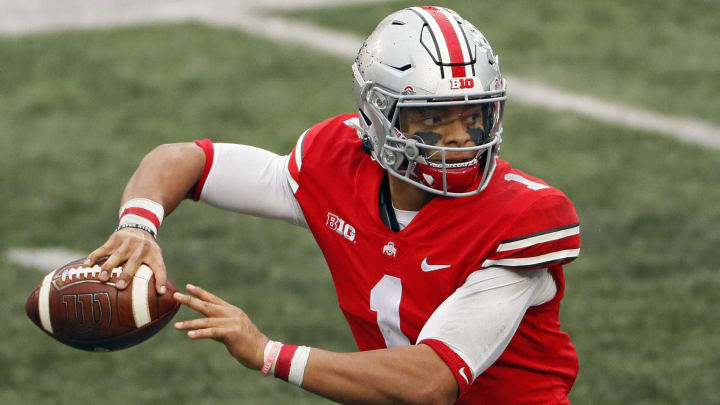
(80, 108)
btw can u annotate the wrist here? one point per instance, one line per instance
(137, 226)
(141, 213)
(286, 362)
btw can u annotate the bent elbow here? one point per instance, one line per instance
(171, 151)
(183, 157)
(438, 392)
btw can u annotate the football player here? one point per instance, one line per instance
(447, 262)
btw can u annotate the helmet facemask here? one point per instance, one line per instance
(414, 157)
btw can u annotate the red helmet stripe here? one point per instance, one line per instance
(451, 40)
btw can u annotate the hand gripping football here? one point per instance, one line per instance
(72, 305)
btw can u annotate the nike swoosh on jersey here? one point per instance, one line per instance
(462, 373)
(432, 267)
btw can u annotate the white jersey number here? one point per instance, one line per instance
(385, 300)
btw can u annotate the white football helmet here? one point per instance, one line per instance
(429, 57)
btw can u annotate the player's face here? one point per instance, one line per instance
(451, 127)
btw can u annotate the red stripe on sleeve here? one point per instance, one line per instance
(461, 371)
(142, 212)
(292, 166)
(207, 147)
(451, 39)
(284, 361)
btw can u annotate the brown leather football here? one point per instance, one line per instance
(72, 305)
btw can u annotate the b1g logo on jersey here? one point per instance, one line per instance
(338, 225)
(457, 84)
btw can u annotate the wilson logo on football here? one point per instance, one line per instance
(338, 225)
(457, 84)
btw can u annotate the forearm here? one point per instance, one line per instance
(399, 375)
(166, 175)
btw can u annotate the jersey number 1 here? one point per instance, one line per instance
(385, 300)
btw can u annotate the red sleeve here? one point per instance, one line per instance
(296, 158)
(207, 147)
(546, 234)
(460, 369)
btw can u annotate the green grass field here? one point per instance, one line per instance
(79, 110)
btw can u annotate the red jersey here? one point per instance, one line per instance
(517, 222)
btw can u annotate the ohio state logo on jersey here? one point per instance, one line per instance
(338, 225)
(389, 250)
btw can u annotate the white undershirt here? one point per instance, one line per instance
(404, 217)
(477, 321)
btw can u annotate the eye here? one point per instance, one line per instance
(432, 120)
(473, 118)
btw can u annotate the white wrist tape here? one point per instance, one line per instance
(286, 362)
(141, 211)
(299, 362)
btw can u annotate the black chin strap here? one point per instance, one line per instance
(387, 213)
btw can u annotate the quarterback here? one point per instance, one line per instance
(447, 261)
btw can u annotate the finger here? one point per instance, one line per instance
(94, 256)
(200, 323)
(205, 295)
(157, 264)
(98, 253)
(197, 304)
(129, 270)
(115, 259)
(208, 333)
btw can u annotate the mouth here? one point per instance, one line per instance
(452, 159)
(453, 163)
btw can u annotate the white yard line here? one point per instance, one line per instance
(686, 129)
(35, 16)
(44, 260)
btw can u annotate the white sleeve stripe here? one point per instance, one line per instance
(539, 239)
(533, 261)
(293, 184)
(299, 151)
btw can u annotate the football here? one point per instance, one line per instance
(72, 305)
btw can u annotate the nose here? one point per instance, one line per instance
(455, 135)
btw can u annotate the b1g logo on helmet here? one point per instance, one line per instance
(462, 83)
(338, 225)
